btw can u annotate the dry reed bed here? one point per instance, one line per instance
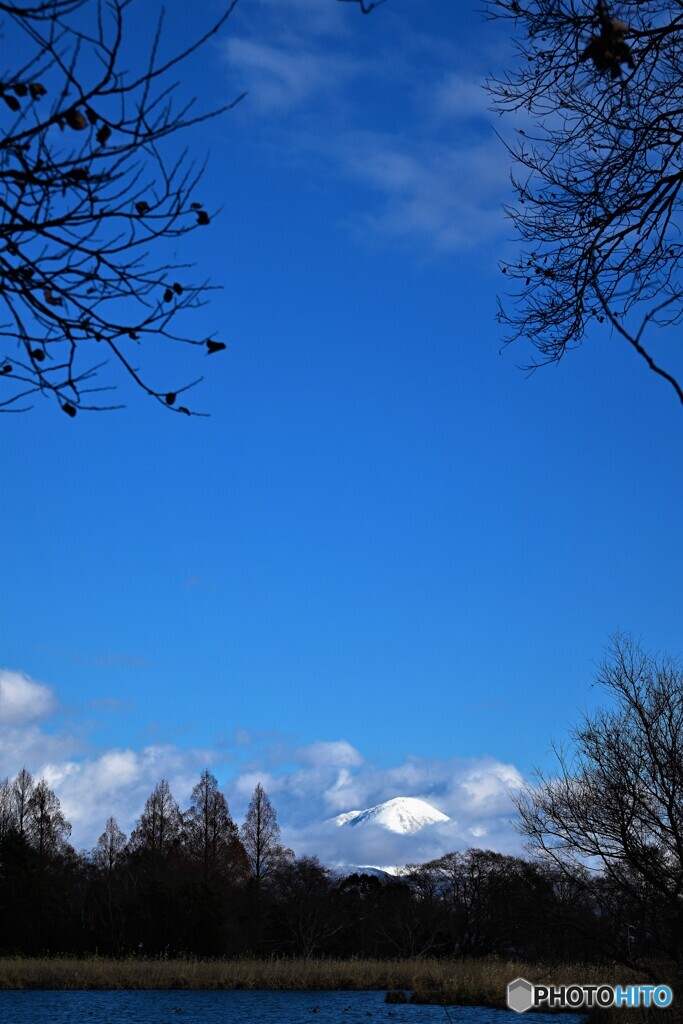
(482, 981)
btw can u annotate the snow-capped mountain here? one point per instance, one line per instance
(384, 874)
(403, 814)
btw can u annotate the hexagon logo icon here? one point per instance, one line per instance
(520, 995)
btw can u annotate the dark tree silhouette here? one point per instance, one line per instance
(305, 913)
(615, 805)
(21, 792)
(48, 828)
(597, 174)
(159, 825)
(89, 194)
(7, 822)
(366, 6)
(152, 896)
(110, 847)
(211, 837)
(260, 836)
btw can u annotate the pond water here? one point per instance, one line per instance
(241, 1007)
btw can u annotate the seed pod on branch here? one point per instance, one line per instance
(609, 50)
(598, 176)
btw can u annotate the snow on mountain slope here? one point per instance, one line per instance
(403, 814)
(383, 873)
(347, 818)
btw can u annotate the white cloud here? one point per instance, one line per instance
(474, 793)
(245, 784)
(307, 784)
(330, 754)
(487, 787)
(459, 97)
(118, 782)
(444, 195)
(437, 181)
(30, 745)
(282, 76)
(22, 699)
(305, 17)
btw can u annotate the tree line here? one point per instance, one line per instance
(191, 881)
(604, 878)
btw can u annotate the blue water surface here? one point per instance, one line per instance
(241, 1007)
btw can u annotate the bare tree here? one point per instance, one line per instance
(596, 171)
(48, 828)
(211, 837)
(302, 892)
(260, 835)
(108, 856)
(22, 790)
(7, 811)
(159, 825)
(89, 194)
(110, 846)
(615, 804)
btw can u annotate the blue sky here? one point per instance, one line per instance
(388, 562)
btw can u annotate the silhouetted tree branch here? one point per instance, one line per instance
(597, 171)
(88, 195)
(365, 6)
(615, 804)
(260, 835)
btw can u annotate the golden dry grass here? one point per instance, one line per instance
(481, 981)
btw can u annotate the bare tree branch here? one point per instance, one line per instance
(596, 170)
(611, 816)
(89, 191)
(365, 7)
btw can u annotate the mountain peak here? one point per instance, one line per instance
(403, 814)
